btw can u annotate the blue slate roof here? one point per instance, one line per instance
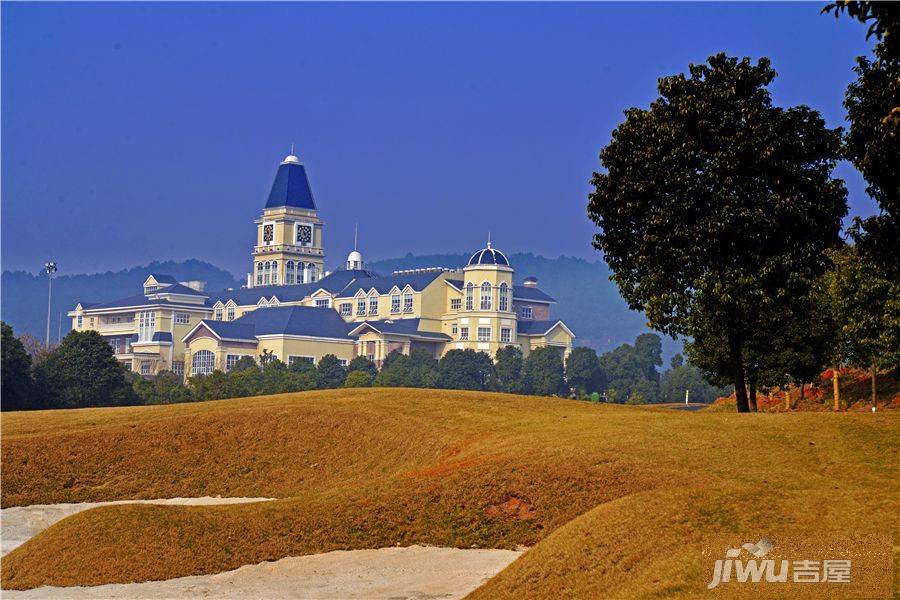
(161, 336)
(407, 327)
(179, 288)
(338, 281)
(283, 320)
(247, 296)
(384, 284)
(136, 300)
(536, 327)
(532, 294)
(291, 188)
(163, 278)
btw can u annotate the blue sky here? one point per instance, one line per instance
(133, 132)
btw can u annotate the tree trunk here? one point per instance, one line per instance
(737, 373)
(874, 387)
(802, 391)
(753, 397)
(787, 398)
(836, 383)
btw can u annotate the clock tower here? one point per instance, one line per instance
(289, 244)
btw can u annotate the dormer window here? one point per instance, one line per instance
(407, 302)
(395, 303)
(361, 306)
(373, 305)
(150, 289)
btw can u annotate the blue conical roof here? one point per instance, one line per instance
(291, 186)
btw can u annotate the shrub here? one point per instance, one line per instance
(356, 379)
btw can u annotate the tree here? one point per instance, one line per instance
(83, 371)
(165, 388)
(15, 372)
(330, 372)
(687, 377)
(397, 370)
(362, 363)
(629, 368)
(244, 362)
(677, 361)
(358, 378)
(465, 370)
(715, 205)
(583, 371)
(865, 304)
(884, 17)
(543, 372)
(508, 364)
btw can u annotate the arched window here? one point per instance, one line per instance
(274, 272)
(259, 273)
(267, 274)
(289, 273)
(486, 296)
(470, 296)
(203, 362)
(504, 296)
(312, 272)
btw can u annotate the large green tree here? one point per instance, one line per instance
(330, 373)
(508, 364)
(715, 204)
(465, 370)
(543, 372)
(83, 371)
(15, 372)
(583, 371)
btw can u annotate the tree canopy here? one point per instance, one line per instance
(715, 205)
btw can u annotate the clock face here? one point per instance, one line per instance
(268, 232)
(304, 234)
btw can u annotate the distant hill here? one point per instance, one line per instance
(588, 302)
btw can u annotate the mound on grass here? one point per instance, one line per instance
(603, 493)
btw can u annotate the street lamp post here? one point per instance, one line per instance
(50, 269)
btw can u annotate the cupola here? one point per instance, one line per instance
(489, 256)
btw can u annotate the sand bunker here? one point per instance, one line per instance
(414, 572)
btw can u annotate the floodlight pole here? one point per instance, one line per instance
(50, 269)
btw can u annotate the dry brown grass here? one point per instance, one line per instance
(605, 492)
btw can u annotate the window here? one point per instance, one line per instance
(454, 329)
(218, 315)
(146, 325)
(504, 297)
(455, 303)
(289, 273)
(267, 273)
(484, 334)
(361, 306)
(231, 360)
(182, 318)
(343, 362)
(80, 321)
(178, 367)
(311, 273)
(304, 235)
(149, 289)
(118, 345)
(407, 302)
(346, 309)
(91, 322)
(145, 367)
(230, 314)
(395, 303)
(259, 273)
(505, 335)
(485, 296)
(274, 272)
(373, 305)
(323, 302)
(527, 313)
(301, 359)
(463, 333)
(470, 295)
(203, 362)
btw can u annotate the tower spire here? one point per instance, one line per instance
(489, 239)
(355, 235)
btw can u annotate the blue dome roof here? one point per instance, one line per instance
(489, 256)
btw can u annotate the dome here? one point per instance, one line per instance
(489, 256)
(354, 257)
(290, 159)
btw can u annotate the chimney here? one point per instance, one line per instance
(530, 282)
(197, 286)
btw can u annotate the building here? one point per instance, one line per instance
(293, 310)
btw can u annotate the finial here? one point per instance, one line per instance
(355, 235)
(489, 239)
(292, 148)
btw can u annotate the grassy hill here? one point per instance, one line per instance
(616, 501)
